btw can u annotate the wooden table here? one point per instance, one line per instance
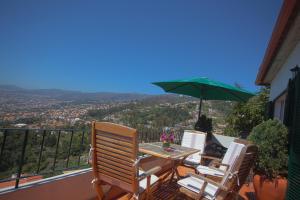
(177, 154)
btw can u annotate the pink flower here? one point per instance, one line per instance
(172, 138)
(163, 137)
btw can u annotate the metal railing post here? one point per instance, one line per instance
(80, 148)
(70, 145)
(56, 150)
(22, 159)
(41, 152)
(3, 144)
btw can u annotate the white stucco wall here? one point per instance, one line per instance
(279, 83)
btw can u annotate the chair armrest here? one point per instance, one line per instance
(211, 158)
(217, 169)
(152, 171)
(184, 158)
(149, 172)
(95, 182)
(222, 187)
(226, 165)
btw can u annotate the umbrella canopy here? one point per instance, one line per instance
(205, 89)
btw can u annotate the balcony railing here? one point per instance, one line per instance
(38, 145)
(49, 152)
(18, 143)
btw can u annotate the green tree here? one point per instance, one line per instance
(245, 116)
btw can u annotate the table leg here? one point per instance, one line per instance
(175, 171)
(177, 174)
(166, 175)
(172, 176)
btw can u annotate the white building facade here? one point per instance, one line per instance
(280, 70)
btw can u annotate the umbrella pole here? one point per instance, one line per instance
(200, 105)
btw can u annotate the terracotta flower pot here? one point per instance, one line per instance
(269, 189)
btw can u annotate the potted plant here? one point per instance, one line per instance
(270, 169)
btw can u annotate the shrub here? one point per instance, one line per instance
(271, 137)
(245, 116)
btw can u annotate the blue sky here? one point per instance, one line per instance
(123, 46)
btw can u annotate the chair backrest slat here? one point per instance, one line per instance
(115, 153)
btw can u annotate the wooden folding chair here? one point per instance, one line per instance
(115, 161)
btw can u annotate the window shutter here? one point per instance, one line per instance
(289, 104)
(269, 110)
(296, 119)
(293, 122)
(293, 192)
(289, 110)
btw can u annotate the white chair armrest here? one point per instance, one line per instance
(222, 187)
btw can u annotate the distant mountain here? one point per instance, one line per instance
(10, 88)
(67, 95)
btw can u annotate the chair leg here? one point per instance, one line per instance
(148, 191)
(99, 193)
(149, 196)
(177, 174)
(196, 171)
(132, 197)
(97, 185)
(236, 196)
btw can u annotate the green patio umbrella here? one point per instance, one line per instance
(205, 89)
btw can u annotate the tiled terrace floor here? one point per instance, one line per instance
(170, 191)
